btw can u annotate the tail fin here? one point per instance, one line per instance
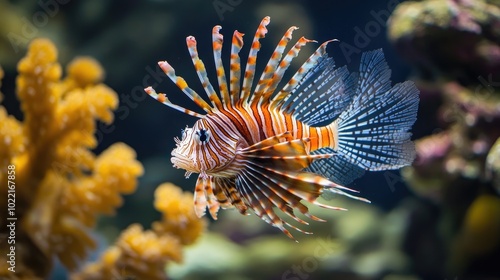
(373, 132)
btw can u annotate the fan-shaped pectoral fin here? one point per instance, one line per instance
(282, 152)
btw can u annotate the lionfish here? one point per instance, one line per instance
(269, 150)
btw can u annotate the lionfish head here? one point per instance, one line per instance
(197, 151)
(182, 155)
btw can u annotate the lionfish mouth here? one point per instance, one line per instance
(181, 162)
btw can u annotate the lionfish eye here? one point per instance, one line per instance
(202, 136)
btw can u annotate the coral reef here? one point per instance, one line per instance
(493, 165)
(179, 217)
(453, 39)
(454, 46)
(61, 186)
(144, 254)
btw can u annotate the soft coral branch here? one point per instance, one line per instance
(61, 185)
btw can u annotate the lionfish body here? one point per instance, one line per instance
(267, 150)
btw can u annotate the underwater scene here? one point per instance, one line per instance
(241, 140)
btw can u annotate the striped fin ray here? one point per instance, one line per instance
(213, 203)
(199, 66)
(162, 98)
(272, 64)
(262, 208)
(235, 66)
(221, 197)
(182, 85)
(229, 190)
(204, 197)
(285, 63)
(340, 192)
(200, 199)
(279, 197)
(373, 132)
(308, 186)
(263, 197)
(279, 190)
(298, 77)
(252, 60)
(217, 40)
(284, 190)
(311, 184)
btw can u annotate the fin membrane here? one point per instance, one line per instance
(373, 132)
(337, 168)
(322, 94)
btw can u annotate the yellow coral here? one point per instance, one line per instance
(137, 253)
(481, 226)
(85, 71)
(1, 77)
(144, 254)
(12, 141)
(179, 217)
(478, 237)
(61, 186)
